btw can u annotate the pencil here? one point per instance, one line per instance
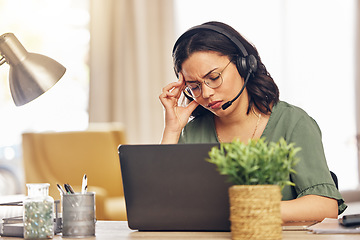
(84, 184)
(60, 189)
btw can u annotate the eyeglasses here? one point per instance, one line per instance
(212, 80)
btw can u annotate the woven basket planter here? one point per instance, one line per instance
(255, 212)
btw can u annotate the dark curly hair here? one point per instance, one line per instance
(261, 88)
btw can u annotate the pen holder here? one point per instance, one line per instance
(78, 214)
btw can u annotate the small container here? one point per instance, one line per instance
(38, 212)
(78, 215)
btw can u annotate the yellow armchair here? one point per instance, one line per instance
(64, 157)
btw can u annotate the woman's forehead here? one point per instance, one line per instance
(200, 63)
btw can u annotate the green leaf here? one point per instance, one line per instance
(257, 162)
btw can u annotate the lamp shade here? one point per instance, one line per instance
(30, 74)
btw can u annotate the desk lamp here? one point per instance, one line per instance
(30, 74)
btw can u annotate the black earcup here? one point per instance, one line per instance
(245, 64)
(241, 64)
(251, 63)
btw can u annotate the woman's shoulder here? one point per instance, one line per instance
(284, 111)
(284, 107)
(287, 118)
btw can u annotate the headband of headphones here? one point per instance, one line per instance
(217, 29)
(246, 63)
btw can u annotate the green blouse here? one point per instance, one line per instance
(295, 126)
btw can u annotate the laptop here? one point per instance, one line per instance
(173, 188)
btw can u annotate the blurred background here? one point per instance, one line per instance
(118, 58)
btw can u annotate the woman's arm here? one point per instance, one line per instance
(309, 208)
(314, 195)
(176, 116)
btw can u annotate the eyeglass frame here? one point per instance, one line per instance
(199, 84)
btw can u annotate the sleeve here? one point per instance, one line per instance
(313, 175)
(182, 138)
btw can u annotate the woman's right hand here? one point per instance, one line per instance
(176, 117)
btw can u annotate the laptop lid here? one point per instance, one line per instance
(173, 188)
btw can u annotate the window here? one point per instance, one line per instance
(307, 46)
(58, 29)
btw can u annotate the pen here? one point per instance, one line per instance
(68, 188)
(84, 184)
(60, 189)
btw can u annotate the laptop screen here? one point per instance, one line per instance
(173, 188)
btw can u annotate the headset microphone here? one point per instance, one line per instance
(228, 104)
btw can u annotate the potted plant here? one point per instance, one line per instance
(258, 170)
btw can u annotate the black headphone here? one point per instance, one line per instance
(246, 63)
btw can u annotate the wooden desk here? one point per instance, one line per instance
(106, 230)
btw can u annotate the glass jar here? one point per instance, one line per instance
(38, 212)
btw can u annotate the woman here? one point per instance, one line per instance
(232, 96)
